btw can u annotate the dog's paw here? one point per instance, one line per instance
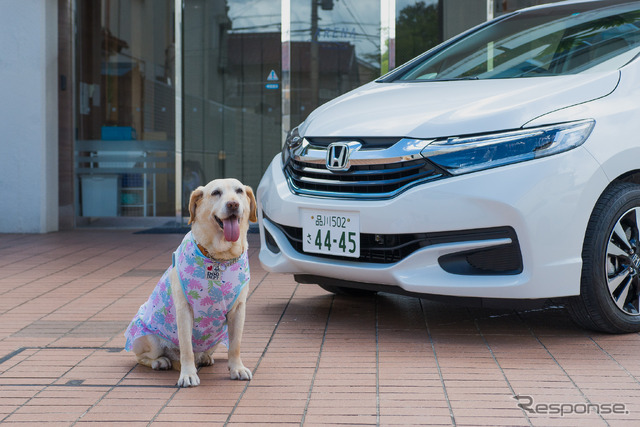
(204, 359)
(188, 381)
(188, 378)
(161, 364)
(240, 373)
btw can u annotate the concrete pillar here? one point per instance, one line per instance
(29, 116)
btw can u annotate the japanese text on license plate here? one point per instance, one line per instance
(331, 232)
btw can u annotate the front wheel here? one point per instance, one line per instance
(609, 299)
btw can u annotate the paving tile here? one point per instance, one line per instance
(317, 359)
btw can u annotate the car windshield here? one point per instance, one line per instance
(569, 39)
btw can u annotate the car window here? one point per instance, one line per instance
(549, 41)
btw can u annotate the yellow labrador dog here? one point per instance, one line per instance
(200, 300)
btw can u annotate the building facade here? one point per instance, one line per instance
(115, 110)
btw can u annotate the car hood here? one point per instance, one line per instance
(438, 109)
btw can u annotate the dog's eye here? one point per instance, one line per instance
(239, 190)
(216, 192)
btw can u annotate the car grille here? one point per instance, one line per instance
(383, 168)
(361, 181)
(391, 248)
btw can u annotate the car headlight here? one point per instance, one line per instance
(292, 141)
(474, 153)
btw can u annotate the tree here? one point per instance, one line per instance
(417, 30)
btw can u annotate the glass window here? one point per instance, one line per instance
(418, 28)
(125, 145)
(335, 47)
(576, 38)
(232, 90)
(505, 6)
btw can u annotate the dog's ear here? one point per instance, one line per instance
(253, 207)
(196, 195)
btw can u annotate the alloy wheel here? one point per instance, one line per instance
(623, 263)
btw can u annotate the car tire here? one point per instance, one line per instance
(610, 283)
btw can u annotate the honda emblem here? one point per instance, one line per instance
(338, 154)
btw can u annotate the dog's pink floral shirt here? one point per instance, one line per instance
(210, 286)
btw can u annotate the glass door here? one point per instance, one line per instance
(125, 137)
(335, 47)
(232, 90)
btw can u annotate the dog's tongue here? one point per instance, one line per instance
(231, 229)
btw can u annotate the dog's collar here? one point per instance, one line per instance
(219, 261)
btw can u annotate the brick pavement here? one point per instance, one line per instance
(66, 298)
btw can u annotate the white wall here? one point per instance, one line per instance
(28, 116)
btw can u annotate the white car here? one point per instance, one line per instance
(502, 164)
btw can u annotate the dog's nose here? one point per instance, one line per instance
(233, 206)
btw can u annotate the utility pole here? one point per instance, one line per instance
(315, 48)
(315, 71)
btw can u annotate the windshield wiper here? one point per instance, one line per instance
(451, 79)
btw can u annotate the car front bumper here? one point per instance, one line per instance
(547, 202)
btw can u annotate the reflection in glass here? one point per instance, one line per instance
(125, 108)
(232, 105)
(335, 47)
(418, 28)
(505, 6)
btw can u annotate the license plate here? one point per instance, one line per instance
(331, 232)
